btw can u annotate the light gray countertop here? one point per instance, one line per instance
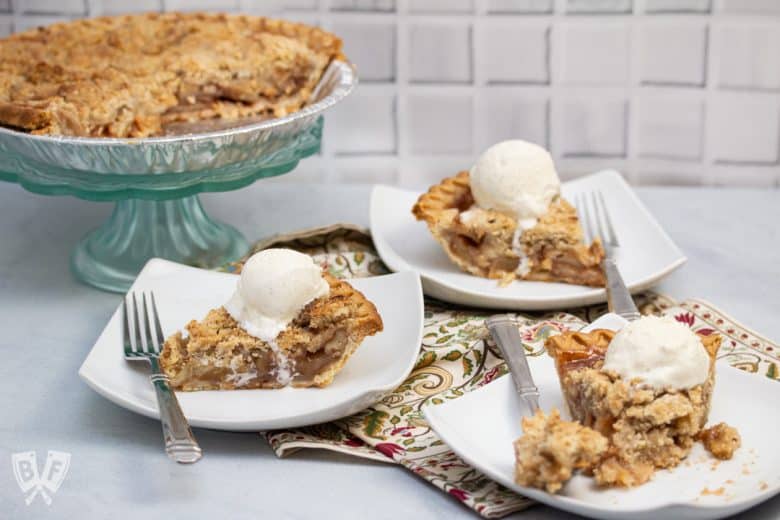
(118, 469)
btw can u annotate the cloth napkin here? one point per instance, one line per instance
(458, 356)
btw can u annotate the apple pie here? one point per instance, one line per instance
(156, 74)
(491, 244)
(217, 354)
(647, 428)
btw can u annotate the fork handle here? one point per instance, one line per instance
(180, 443)
(619, 299)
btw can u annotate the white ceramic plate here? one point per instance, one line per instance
(481, 426)
(647, 254)
(184, 293)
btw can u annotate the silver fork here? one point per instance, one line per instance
(596, 222)
(180, 444)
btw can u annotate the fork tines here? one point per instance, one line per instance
(594, 217)
(139, 338)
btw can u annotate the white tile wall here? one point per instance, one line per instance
(518, 6)
(60, 6)
(668, 91)
(589, 126)
(438, 6)
(439, 123)
(504, 114)
(670, 126)
(751, 6)
(676, 6)
(593, 52)
(371, 46)
(745, 128)
(672, 53)
(439, 52)
(509, 52)
(376, 132)
(745, 51)
(362, 5)
(109, 7)
(598, 6)
(200, 5)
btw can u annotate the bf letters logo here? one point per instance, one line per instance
(43, 484)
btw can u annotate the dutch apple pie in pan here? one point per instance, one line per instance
(288, 324)
(626, 428)
(156, 74)
(506, 220)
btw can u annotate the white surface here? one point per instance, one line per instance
(118, 469)
(184, 293)
(551, 50)
(482, 425)
(647, 254)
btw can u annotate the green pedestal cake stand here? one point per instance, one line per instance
(159, 215)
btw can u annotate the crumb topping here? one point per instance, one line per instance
(154, 74)
(720, 440)
(551, 450)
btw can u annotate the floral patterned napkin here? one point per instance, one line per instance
(457, 356)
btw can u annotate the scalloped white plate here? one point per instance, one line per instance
(481, 426)
(184, 293)
(647, 254)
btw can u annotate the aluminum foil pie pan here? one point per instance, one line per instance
(213, 150)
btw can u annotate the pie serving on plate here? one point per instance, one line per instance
(492, 244)
(506, 220)
(626, 427)
(155, 74)
(224, 353)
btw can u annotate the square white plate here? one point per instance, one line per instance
(184, 293)
(481, 426)
(647, 254)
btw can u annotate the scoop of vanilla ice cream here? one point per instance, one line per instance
(275, 285)
(660, 351)
(515, 177)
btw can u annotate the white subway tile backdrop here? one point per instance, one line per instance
(682, 92)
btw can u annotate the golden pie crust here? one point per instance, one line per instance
(646, 429)
(480, 241)
(154, 74)
(217, 354)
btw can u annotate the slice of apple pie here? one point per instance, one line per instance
(647, 390)
(493, 244)
(220, 353)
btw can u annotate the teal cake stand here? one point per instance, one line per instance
(157, 213)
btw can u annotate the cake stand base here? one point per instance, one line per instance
(111, 256)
